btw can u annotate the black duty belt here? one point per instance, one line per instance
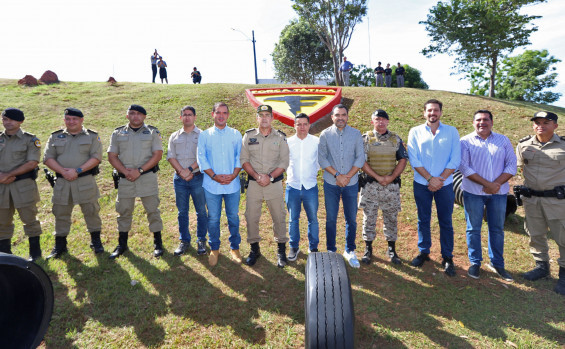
(152, 169)
(92, 172)
(275, 180)
(544, 193)
(372, 180)
(31, 174)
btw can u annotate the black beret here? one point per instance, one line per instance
(264, 107)
(138, 108)
(14, 114)
(74, 112)
(379, 113)
(546, 115)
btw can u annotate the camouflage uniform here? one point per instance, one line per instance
(382, 153)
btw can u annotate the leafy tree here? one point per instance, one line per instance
(334, 22)
(412, 78)
(522, 78)
(478, 32)
(361, 75)
(300, 56)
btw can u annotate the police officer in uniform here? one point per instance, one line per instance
(135, 150)
(400, 75)
(265, 157)
(379, 71)
(542, 158)
(74, 153)
(19, 155)
(388, 75)
(386, 158)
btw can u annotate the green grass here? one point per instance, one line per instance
(182, 302)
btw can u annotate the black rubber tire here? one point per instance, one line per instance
(329, 315)
(26, 302)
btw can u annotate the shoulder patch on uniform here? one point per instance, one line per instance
(525, 139)
(58, 131)
(281, 132)
(36, 142)
(251, 129)
(120, 127)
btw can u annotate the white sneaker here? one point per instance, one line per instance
(351, 259)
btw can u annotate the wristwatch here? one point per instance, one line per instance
(336, 174)
(190, 168)
(140, 170)
(271, 177)
(79, 170)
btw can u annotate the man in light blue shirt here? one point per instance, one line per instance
(487, 163)
(218, 157)
(341, 155)
(345, 69)
(435, 153)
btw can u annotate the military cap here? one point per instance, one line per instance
(546, 115)
(264, 107)
(379, 113)
(74, 112)
(14, 114)
(137, 108)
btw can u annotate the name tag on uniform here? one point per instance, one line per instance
(253, 141)
(62, 136)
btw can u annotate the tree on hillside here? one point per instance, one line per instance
(300, 56)
(523, 78)
(478, 32)
(412, 78)
(334, 22)
(361, 75)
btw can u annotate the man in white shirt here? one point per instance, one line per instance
(302, 185)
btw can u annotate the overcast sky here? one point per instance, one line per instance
(93, 40)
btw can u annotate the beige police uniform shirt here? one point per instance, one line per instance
(183, 147)
(14, 152)
(134, 149)
(543, 168)
(265, 154)
(72, 151)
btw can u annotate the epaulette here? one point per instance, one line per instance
(151, 127)
(282, 133)
(525, 139)
(91, 131)
(58, 131)
(119, 128)
(251, 129)
(29, 134)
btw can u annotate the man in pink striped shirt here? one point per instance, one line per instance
(487, 163)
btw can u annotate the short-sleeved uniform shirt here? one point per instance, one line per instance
(135, 148)
(183, 147)
(15, 151)
(265, 154)
(388, 71)
(72, 151)
(379, 70)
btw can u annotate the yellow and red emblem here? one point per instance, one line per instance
(287, 102)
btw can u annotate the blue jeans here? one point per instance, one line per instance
(496, 215)
(183, 191)
(214, 202)
(332, 194)
(444, 199)
(294, 199)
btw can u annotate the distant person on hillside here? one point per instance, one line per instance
(154, 59)
(162, 69)
(196, 76)
(379, 73)
(400, 75)
(345, 70)
(388, 76)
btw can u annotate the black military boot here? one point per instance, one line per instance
(6, 246)
(281, 255)
(60, 247)
(539, 272)
(122, 245)
(95, 242)
(34, 249)
(158, 243)
(392, 253)
(368, 252)
(253, 255)
(560, 287)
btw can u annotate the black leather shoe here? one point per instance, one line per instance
(201, 247)
(118, 251)
(420, 259)
(539, 272)
(391, 251)
(60, 247)
(560, 287)
(281, 255)
(34, 249)
(158, 244)
(253, 255)
(95, 242)
(6, 246)
(183, 247)
(366, 259)
(449, 266)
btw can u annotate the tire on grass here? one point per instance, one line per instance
(329, 316)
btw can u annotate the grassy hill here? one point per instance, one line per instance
(140, 301)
